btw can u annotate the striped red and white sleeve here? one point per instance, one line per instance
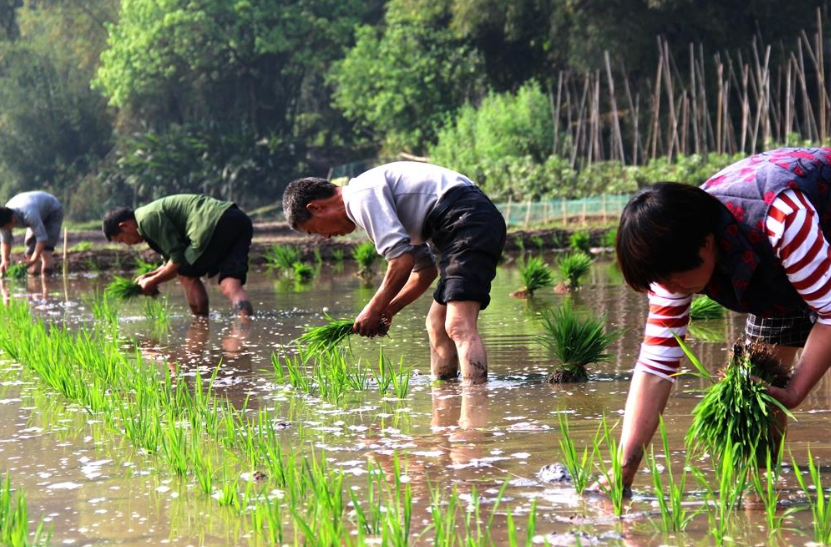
(793, 230)
(668, 313)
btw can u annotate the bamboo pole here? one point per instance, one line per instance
(65, 264)
(613, 101)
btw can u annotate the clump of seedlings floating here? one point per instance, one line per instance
(282, 257)
(579, 242)
(366, 257)
(574, 342)
(737, 410)
(704, 307)
(303, 273)
(572, 267)
(536, 275)
(122, 288)
(17, 271)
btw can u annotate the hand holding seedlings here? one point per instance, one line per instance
(369, 322)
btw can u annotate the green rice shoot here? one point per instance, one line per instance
(302, 272)
(17, 271)
(144, 267)
(737, 410)
(326, 337)
(574, 266)
(579, 242)
(282, 257)
(122, 289)
(366, 257)
(704, 307)
(574, 342)
(536, 275)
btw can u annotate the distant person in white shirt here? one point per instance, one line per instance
(403, 206)
(42, 215)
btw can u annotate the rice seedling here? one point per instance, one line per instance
(609, 238)
(337, 256)
(579, 242)
(144, 267)
(366, 257)
(302, 272)
(572, 267)
(539, 242)
(158, 310)
(536, 275)
(103, 309)
(326, 337)
(282, 257)
(82, 246)
(17, 271)
(122, 289)
(393, 379)
(675, 515)
(14, 520)
(819, 504)
(574, 342)
(737, 411)
(704, 307)
(579, 466)
(613, 485)
(520, 244)
(764, 483)
(721, 505)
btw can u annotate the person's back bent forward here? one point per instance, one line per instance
(197, 235)
(42, 215)
(403, 206)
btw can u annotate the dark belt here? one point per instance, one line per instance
(442, 205)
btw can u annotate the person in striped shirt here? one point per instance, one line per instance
(754, 237)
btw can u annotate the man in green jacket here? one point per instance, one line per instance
(197, 235)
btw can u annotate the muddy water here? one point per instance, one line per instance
(96, 491)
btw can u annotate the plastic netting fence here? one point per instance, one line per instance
(533, 213)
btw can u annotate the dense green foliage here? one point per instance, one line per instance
(117, 103)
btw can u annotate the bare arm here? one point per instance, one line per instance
(36, 254)
(648, 395)
(815, 361)
(398, 272)
(417, 283)
(7, 253)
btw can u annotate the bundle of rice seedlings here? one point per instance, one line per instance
(536, 275)
(122, 288)
(573, 267)
(609, 238)
(705, 307)
(17, 271)
(326, 337)
(302, 272)
(366, 256)
(737, 410)
(579, 241)
(282, 257)
(574, 342)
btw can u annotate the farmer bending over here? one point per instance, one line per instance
(753, 238)
(197, 236)
(42, 215)
(402, 206)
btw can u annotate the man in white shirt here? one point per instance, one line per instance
(42, 215)
(403, 206)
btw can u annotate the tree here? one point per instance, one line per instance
(398, 83)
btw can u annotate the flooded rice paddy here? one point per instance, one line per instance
(485, 443)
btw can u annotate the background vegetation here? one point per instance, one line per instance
(106, 103)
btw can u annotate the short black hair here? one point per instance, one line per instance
(6, 215)
(113, 218)
(300, 193)
(661, 231)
